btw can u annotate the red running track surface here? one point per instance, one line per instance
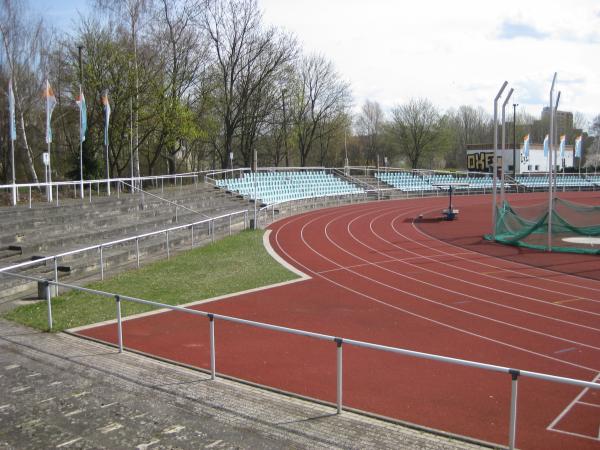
(378, 276)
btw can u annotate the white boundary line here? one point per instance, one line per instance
(267, 244)
(568, 409)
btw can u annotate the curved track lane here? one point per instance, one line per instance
(378, 276)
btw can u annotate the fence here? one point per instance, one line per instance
(79, 188)
(338, 341)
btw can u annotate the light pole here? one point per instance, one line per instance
(287, 156)
(515, 140)
(550, 163)
(504, 142)
(495, 163)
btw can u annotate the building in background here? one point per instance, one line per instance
(480, 158)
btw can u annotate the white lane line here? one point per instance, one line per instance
(565, 350)
(110, 427)
(594, 405)
(65, 444)
(568, 408)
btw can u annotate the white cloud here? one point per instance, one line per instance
(450, 52)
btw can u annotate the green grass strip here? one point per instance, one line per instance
(230, 265)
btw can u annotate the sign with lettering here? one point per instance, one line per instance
(482, 161)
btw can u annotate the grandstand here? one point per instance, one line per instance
(427, 181)
(284, 186)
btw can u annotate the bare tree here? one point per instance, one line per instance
(416, 126)
(247, 59)
(320, 97)
(369, 124)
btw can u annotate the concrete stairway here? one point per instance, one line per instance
(46, 230)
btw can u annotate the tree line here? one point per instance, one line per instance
(201, 84)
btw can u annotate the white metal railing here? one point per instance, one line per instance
(52, 189)
(103, 246)
(338, 341)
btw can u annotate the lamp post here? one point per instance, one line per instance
(515, 140)
(287, 155)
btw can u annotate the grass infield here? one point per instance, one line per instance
(230, 265)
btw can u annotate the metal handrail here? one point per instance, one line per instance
(118, 241)
(339, 341)
(163, 199)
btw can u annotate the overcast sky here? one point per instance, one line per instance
(452, 52)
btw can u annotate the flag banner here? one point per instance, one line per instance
(106, 115)
(526, 146)
(546, 149)
(578, 147)
(563, 140)
(83, 116)
(11, 112)
(50, 104)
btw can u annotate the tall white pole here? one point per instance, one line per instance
(504, 144)
(14, 178)
(550, 170)
(495, 165)
(81, 142)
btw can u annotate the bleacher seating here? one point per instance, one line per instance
(277, 187)
(409, 181)
(567, 181)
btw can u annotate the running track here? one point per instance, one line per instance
(378, 276)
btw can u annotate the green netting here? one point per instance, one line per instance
(528, 226)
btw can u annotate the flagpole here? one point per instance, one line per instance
(80, 144)
(106, 118)
(80, 47)
(14, 178)
(49, 187)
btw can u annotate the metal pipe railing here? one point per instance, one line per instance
(339, 342)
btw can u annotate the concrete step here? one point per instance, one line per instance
(85, 265)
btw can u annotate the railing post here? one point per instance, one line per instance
(90, 192)
(57, 199)
(192, 227)
(512, 426)
(48, 303)
(30, 197)
(55, 276)
(211, 225)
(137, 251)
(119, 323)
(101, 264)
(339, 342)
(213, 365)
(229, 224)
(168, 254)
(176, 208)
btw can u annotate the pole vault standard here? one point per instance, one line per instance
(504, 143)
(550, 170)
(495, 165)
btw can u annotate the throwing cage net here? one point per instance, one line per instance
(575, 228)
